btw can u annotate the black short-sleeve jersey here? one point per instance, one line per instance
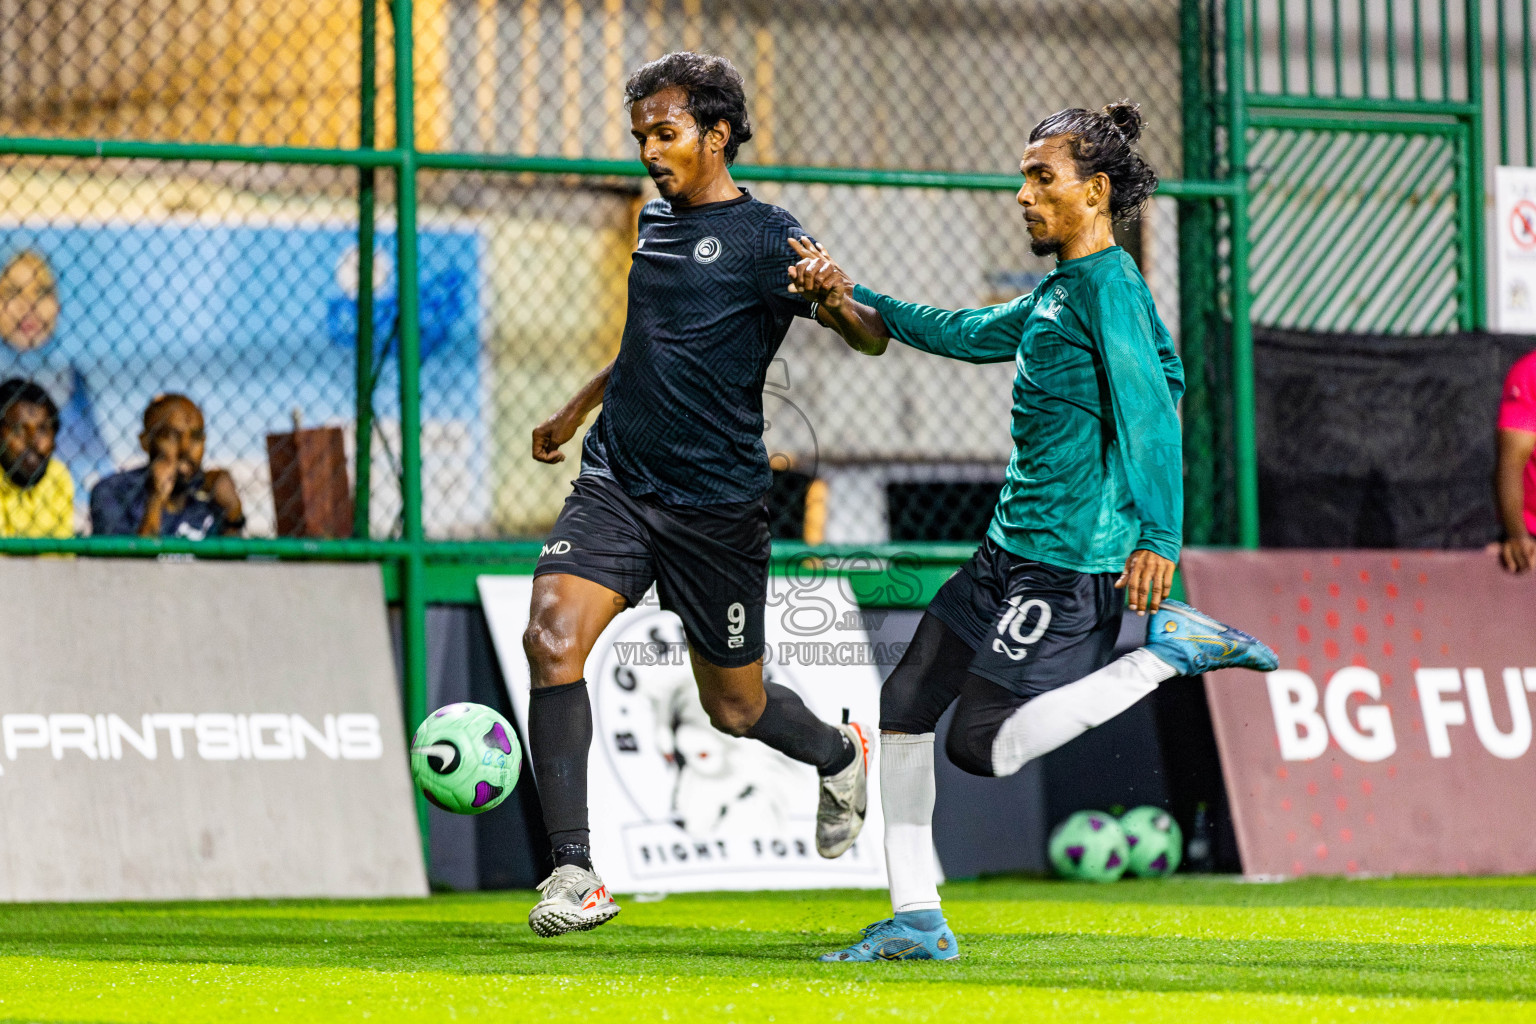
(709, 305)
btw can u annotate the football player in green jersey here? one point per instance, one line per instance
(1022, 640)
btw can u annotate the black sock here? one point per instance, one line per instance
(573, 847)
(559, 737)
(788, 726)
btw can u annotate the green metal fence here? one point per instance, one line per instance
(1361, 133)
(891, 129)
(1366, 164)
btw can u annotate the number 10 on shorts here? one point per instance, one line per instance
(1012, 625)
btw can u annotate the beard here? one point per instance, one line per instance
(1045, 246)
(26, 476)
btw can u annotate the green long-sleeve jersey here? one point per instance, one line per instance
(1097, 466)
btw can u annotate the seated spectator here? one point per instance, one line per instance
(1517, 466)
(173, 496)
(37, 494)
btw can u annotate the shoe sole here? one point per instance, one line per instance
(832, 958)
(833, 852)
(549, 922)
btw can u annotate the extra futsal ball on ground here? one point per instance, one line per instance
(466, 758)
(1156, 841)
(1090, 846)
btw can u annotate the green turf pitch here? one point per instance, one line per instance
(1184, 949)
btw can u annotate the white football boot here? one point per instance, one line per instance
(844, 798)
(575, 900)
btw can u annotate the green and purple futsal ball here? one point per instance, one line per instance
(1156, 842)
(466, 758)
(1090, 846)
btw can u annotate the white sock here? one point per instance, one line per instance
(1053, 718)
(906, 793)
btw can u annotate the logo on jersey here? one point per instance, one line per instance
(559, 547)
(1050, 309)
(707, 251)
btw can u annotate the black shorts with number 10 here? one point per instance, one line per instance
(709, 562)
(1033, 627)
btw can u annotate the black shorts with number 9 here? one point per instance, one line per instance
(709, 562)
(1033, 626)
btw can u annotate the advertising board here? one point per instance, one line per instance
(191, 730)
(1396, 736)
(676, 806)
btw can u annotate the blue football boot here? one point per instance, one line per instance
(896, 940)
(1194, 643)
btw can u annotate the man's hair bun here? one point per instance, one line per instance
(1126, 116)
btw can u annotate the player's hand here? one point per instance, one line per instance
(221, 489)
(1518, 554)
(550, 435)
(1147, 579)
(817, 276)
(162, 477)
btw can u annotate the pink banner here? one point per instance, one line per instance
(1396, 736)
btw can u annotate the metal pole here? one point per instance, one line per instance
(362, 490)
(1476, 188)
(1197, 294)
(1245, 452)
(129, 149)
(122, 149)
(1525, 64)
(413, 604)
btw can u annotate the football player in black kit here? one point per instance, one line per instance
(673, 474)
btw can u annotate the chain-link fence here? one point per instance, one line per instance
(238, 284)
(202, 199)
(226, 283)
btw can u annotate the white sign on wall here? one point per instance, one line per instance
(200, 730)
(1514, 250)
(675, 805)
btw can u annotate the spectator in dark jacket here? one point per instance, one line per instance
(173, 496)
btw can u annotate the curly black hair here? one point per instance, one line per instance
(714, 87)
(16, 391)
(1105, 141)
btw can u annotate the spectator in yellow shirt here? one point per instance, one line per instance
(37, 494)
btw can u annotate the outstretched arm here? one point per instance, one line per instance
(561, 427)
(822, 281)
(989, 335)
